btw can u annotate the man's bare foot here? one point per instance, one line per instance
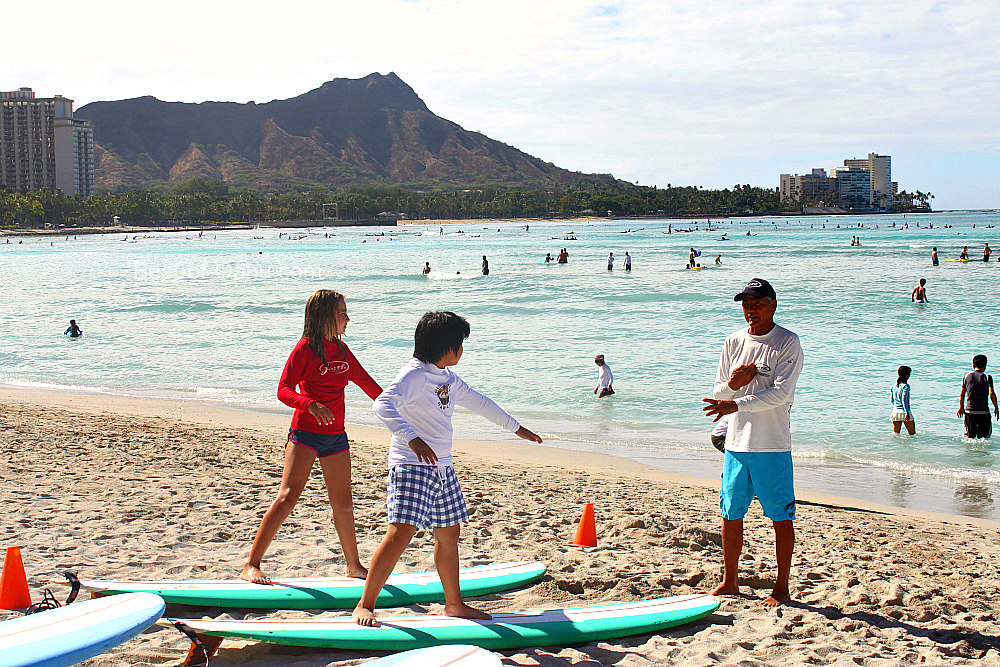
(364, 617)
(726, 589)
(777, 598)
(359, 572)
(463, 610)
(253, 574)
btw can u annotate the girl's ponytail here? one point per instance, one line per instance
(902, 375)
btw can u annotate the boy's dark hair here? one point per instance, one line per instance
(437, 334)
(979, 361)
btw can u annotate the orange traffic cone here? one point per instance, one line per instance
(586, 532)
(13, 584)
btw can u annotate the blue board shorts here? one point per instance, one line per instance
(324, 444)
(425, 496)
(768, 475)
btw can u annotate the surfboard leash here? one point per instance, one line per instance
(49, 600)
(197, 646)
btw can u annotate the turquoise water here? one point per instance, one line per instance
(215, 317)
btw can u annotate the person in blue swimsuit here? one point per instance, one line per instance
(900, 397)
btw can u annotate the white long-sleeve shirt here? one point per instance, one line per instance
(605, 378)
(420, 403)
(761, 423)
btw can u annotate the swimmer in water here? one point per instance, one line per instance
(934, 257)
(427, 268)
(548, 257)
(486, 266)
(718, 259)
(628, 261)
(919, 294)
(73, 331)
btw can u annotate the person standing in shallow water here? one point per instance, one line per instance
(899, 396)
(973, 402)
(611, 261)
(605, 378)
(73, 331)
(486, 266)
(628, 261)
(919, 294)
(755, 384)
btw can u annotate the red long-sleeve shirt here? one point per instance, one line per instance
(325, 384)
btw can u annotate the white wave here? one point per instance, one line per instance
(48, 385)
(441, 275)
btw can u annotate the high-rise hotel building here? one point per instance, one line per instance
(43, 146)
(860, 183)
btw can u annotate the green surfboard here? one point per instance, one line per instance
(327, 592)
(553, 627)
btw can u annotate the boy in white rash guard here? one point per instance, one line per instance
(423, 491)
(605, 378)
(755, 384)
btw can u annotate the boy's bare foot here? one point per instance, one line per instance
(364, 617)
(777, 598)
(463, 610)
(359, 572)
(726, 589)
(253, 574)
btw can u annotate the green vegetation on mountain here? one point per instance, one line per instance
(348, 133)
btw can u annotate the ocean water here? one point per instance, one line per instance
(214, 318)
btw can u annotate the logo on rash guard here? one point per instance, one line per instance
(442, 393)
(763, 368)
(334, 367)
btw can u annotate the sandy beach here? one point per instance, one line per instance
(117, 487)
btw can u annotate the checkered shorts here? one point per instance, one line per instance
(425, 496)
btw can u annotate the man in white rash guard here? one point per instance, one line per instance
(755, 384)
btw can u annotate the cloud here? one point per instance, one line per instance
(681, 92)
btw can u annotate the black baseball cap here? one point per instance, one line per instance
(756, 287)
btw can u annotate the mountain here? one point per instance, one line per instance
(346, 132)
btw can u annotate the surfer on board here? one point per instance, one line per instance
(313, 382)
(422, 489)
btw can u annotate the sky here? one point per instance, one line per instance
(707, 93)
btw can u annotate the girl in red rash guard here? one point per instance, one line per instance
(313, 382)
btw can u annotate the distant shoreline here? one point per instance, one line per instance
(300, 224)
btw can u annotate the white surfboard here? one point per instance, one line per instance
(451, 655)
(68, 635)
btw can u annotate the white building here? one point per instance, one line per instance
(43, 146)
(879, 168)
(861, 182)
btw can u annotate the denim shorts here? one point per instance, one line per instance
(324, 444)
(768, 475)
